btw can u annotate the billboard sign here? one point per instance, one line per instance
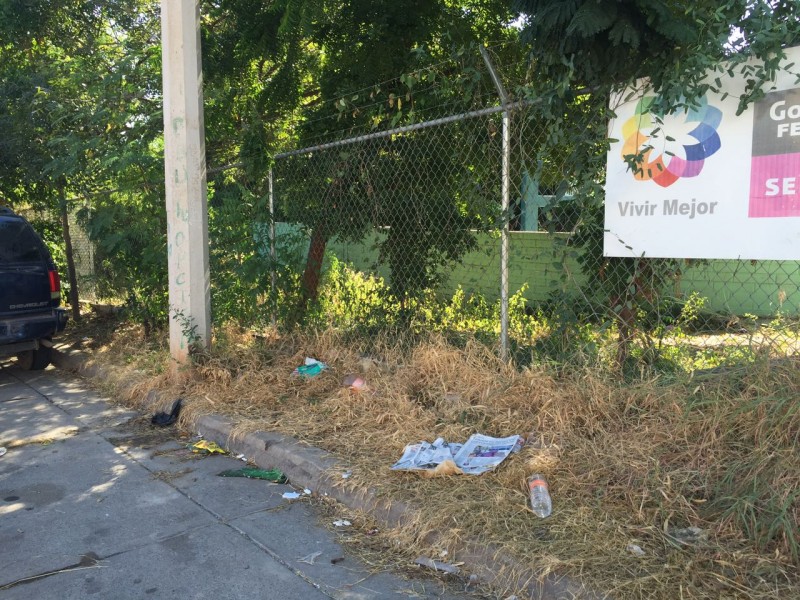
(709, 183)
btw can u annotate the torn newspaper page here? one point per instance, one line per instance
(482, 453)
(423, 456)
(479, 454)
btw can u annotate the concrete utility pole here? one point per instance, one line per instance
(185, 177)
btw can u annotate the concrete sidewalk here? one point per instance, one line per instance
(96, 502)
(313, 468)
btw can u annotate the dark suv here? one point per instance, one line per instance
(30, 293)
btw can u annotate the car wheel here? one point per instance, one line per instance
(34, 360)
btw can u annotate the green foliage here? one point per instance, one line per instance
(430, 227)
(582, 51)
(77, 83)
(195, 344)
(602, 42)
(429, 220)
(365, 304)
(352, 299)
(564, 332)
(360, 43)
(80, 110)
(241, 275)
(49, 229)
(131, 253)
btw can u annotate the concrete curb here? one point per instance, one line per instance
(313, 468)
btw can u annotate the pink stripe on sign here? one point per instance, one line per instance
(775, 186)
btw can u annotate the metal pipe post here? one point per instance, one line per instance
(504, 203)
(273, 253)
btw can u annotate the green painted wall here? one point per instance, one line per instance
(762, 288)
(532, 258)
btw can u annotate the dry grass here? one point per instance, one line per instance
(627, 463)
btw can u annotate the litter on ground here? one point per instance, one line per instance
(273, 475)
(311, 368)
(296, 495)
(206, 447)
(354, 382)
(310, 558)
(635, 550)
(342, 523)
(164, 419)
(480, 453)
(688, 535)
(437, 565)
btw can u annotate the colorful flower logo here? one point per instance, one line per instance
(669, 147)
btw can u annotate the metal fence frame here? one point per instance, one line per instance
(504, 165)
(506, 107)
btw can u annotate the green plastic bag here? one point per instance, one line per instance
(253, 473)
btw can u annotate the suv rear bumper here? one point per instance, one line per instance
(23, 332)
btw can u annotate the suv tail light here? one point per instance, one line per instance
(55, 284)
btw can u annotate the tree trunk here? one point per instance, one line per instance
(625, 338)
(312, 272)
(73, 279)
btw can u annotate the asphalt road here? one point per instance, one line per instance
(96, 503)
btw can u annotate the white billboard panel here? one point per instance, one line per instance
(712, 184)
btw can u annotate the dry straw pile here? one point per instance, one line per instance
(702, 475)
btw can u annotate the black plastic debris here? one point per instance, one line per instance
(163, 419)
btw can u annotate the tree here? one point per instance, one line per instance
(601, 43)
(583, 50)
(336, 66)
(68, 102)
(80, 114)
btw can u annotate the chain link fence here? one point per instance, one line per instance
(412, 228)
(484, 223)
(414, 213)
(83, 252)
(50, 227)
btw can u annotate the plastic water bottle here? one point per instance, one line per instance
(540, 496)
